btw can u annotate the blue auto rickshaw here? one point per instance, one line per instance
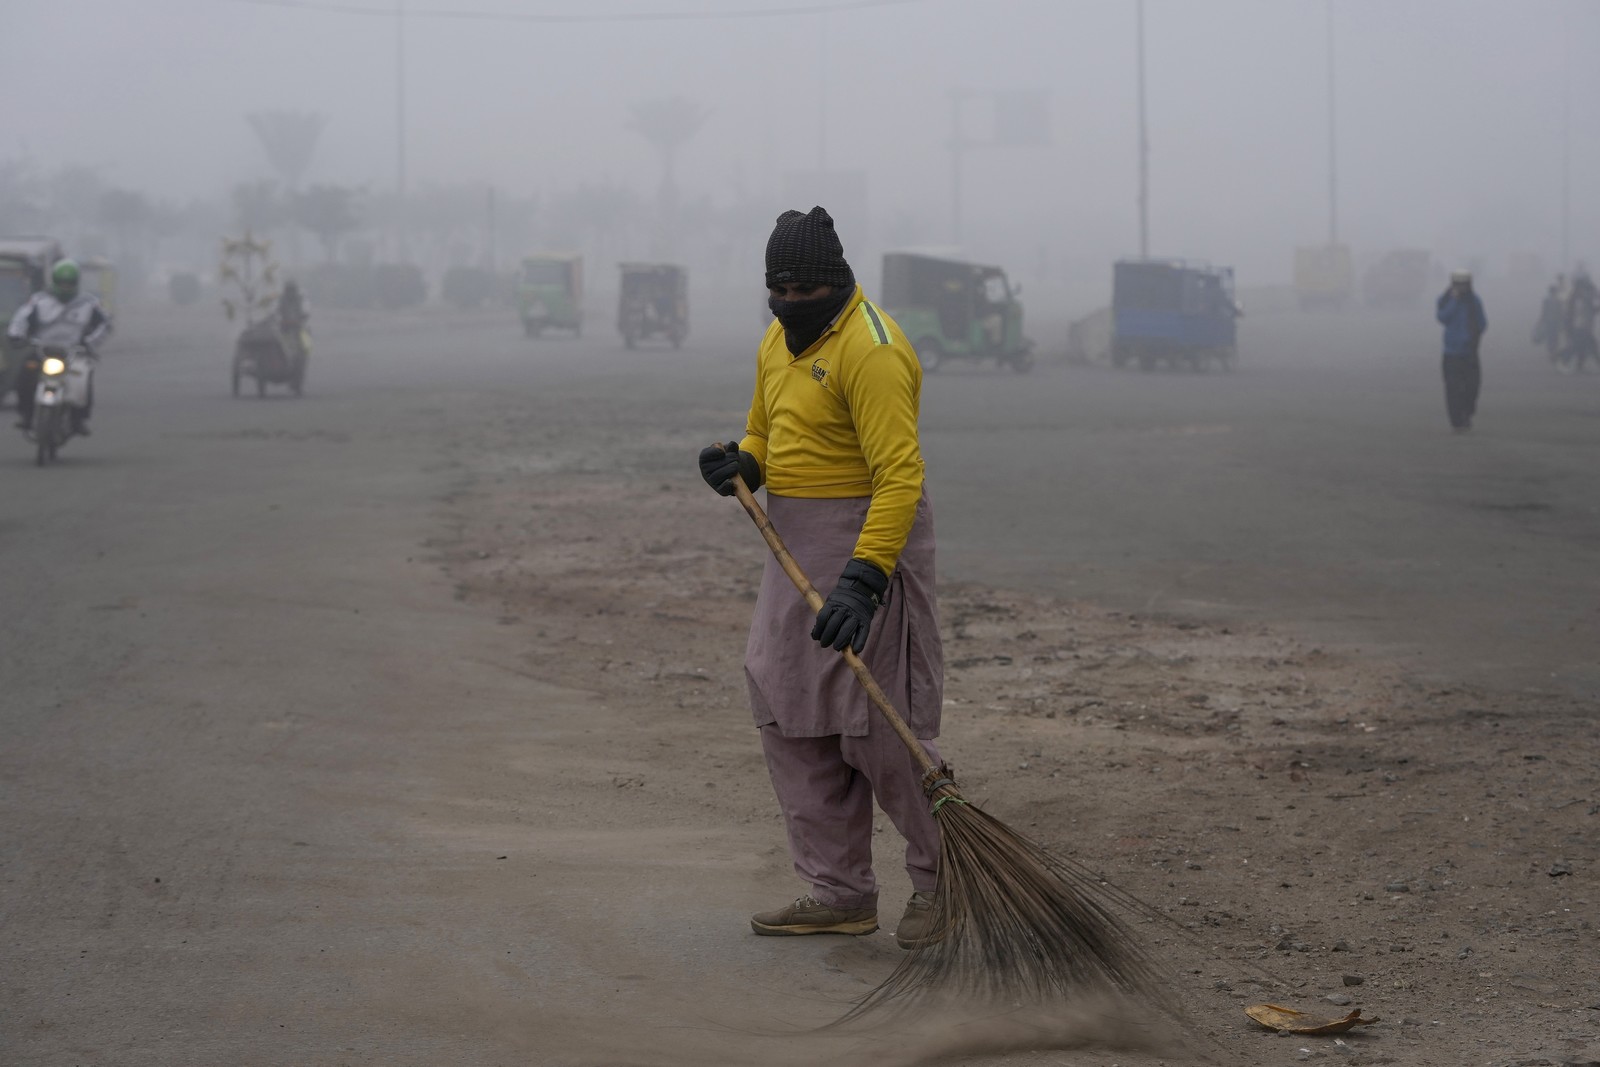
(1173, 312)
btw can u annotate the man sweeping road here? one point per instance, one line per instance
(832, 432)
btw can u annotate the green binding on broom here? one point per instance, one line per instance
(1012, 924)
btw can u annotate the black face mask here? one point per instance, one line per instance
(804, 320)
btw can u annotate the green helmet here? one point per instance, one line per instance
(64, 280)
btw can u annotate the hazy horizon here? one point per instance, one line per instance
(1450, 115)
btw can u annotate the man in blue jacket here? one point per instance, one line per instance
(1461, 313)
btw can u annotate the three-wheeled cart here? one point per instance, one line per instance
(270, 355)
(653, 302)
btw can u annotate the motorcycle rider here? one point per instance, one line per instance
(61, 315)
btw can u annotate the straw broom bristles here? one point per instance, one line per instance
(1011, 923)
(1014, 925)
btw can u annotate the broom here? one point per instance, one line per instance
(1012, 924)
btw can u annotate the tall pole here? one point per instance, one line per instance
(489, 231)
(1144, 152)
(400, 120)
(1566, 144)
(1333, 140)
(955, 166)
(822, 103)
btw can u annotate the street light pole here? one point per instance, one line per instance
(1144, 151)
(400, 122)
(1566, 144)
(1333, 140)
(956, 147)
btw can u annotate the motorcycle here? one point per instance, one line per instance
(64, 382)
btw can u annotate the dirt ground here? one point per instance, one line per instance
(1333, 833)
(407, 725)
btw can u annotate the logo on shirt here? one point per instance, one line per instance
(819, 371)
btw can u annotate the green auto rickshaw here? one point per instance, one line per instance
(950, 309)
(550, 294)
(25, 264)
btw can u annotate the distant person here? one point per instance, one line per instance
(1583, 304)
(294, 318)
(292, 310)
(1552, 323)
(1460, 311)
(832, 431)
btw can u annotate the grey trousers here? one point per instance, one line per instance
(826, 785)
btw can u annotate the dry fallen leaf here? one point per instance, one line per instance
(1274, 1017)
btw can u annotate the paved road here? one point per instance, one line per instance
(1317, 488)
(229, 660)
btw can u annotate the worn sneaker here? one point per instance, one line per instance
(811, 916)
(915, 927)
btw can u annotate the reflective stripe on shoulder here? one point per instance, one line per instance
(875, 323)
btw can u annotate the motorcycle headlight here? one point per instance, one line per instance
(52, 366)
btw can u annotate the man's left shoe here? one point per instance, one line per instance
(915, 927)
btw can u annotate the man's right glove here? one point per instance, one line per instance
(719, 465)
(846, 615)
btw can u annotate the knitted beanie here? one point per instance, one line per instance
(804, 250)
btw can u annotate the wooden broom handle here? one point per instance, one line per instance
(874, 691)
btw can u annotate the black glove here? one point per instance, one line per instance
(846, 615)
(718, 465)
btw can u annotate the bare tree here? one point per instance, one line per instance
(248, 267)
(668, 123)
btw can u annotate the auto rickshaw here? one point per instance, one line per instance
(550, 294)
(1173, 312)
(25, 264)
(654, 302)
(272, 355)
(950, 310)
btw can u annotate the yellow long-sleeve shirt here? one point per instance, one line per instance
(840, 420)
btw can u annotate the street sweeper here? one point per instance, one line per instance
(832, 434)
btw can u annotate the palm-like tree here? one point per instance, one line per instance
(668, 123)
(289, 139)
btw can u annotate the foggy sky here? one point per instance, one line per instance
(1450, 111)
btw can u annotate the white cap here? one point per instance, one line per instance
(1460, 276)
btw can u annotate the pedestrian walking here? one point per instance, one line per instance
(1460, 311)
(832, 433)
(1551, 327)
(1583, 305)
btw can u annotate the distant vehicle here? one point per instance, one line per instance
(271, 354)
(1399, 279)
(653, 302)
(1174, 312)
(550, 294)
(1323, 277)
(950, 309)
(25, 264)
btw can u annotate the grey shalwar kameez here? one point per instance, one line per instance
(829, 752)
